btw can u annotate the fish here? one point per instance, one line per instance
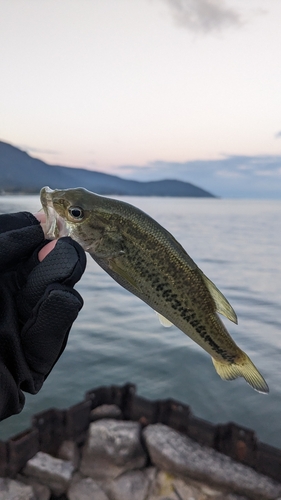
(146, 259)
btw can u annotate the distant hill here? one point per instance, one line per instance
(20, 173)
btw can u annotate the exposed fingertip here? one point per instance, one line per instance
(41, 216)
(46, 250)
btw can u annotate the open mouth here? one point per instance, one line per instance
(55, 226)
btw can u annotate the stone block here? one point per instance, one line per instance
(86, 489)
(41, 491)
(235, 497)
(69, 451)
(168, 486)
(53, 472)
(11, 489)
(180, 455)
(112, 448)
(162, 487)
(132, 485)
(189, 490)
(106, 411)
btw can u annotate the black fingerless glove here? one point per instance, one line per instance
(37, 306)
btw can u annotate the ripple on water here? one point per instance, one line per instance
(117, 338)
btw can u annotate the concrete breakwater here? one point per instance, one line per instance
(115, 445)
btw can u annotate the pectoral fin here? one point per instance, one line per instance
(164, 321)
(117, 268)
(222, 304)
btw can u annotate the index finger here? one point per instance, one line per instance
(46, 250)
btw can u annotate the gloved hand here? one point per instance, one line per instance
(37, 306)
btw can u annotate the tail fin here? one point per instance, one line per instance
(244, 369)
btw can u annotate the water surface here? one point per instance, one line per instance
(117, 338)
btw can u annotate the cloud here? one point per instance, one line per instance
(270, 173)
(278, 135)
(229, 174)
(203, 15)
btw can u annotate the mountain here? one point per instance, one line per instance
(20, 173)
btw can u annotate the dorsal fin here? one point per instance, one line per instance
(222, 304)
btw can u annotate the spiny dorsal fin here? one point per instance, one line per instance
(222, 304)
(164, 321)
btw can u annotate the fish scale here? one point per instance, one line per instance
(143, 257)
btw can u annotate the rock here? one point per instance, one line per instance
(190, 489)
(163, 488)
(132, 485)
(86, 489)
(112, 448)
(236, 497)
(106, 411)
(168, 486)
(11, 489)
(180, 455)
(69, 451)
(53, 472)
(41, 492)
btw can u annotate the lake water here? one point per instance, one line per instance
(117, 338)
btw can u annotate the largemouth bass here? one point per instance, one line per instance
(146, 259)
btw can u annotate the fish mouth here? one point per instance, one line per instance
(55, 225)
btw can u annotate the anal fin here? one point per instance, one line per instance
(164, 321)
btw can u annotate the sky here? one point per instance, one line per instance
(147, 89)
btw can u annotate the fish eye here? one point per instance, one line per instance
(76, 212)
